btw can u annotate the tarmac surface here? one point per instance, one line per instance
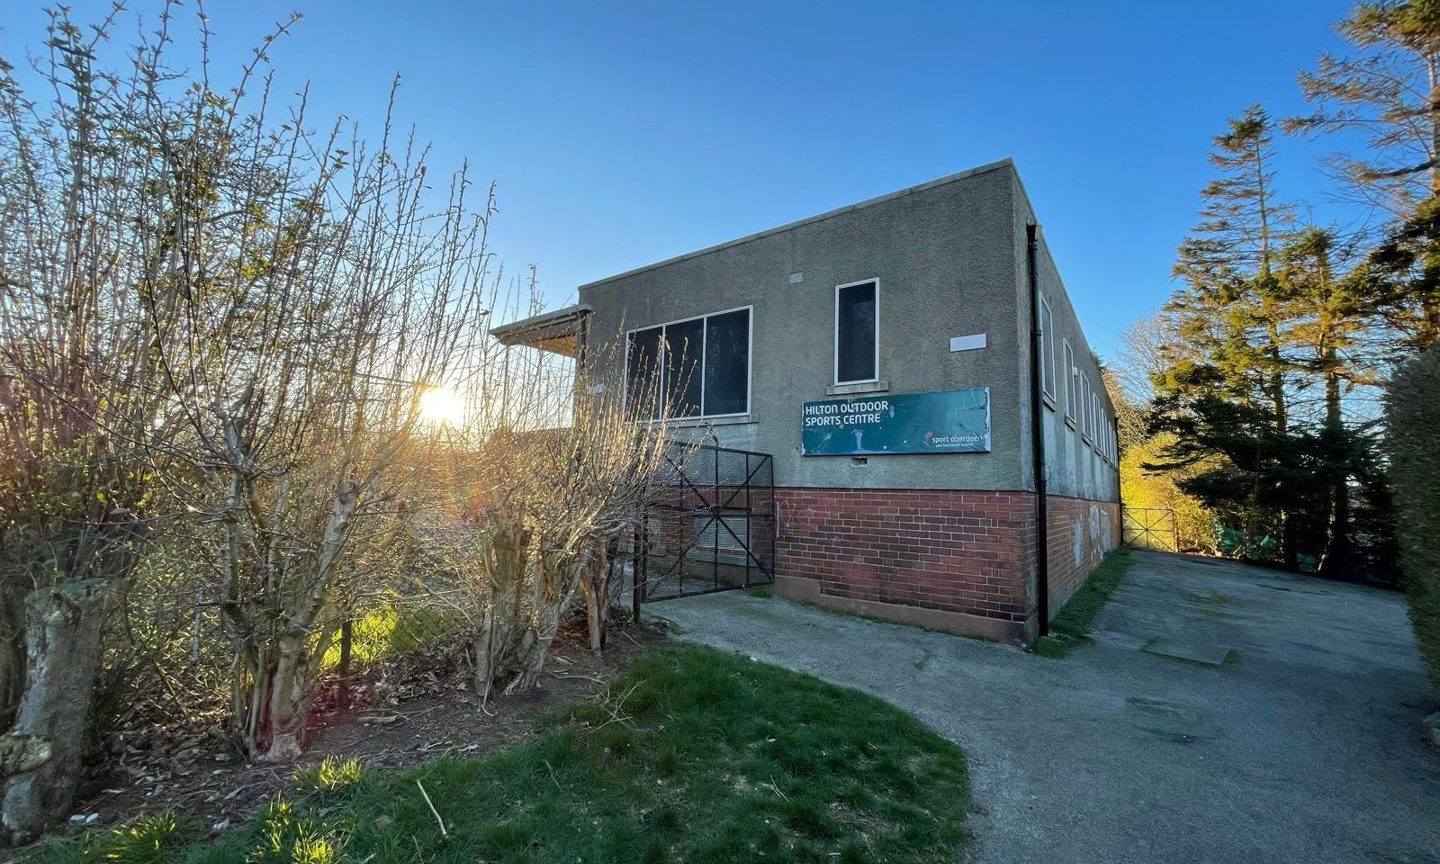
(1223, 713)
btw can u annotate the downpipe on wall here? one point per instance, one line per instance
(1037, 436)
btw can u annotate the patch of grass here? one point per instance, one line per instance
(392, 630)
(693, 756)
(152, 840)
(1071, 627)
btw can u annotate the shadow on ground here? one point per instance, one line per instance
(1223, 713)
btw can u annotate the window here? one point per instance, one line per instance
(699, 367)
(1084, 406)
(684, 345)
(1047, 349)
(857, 324)
(1071, 373)
(724, 535)
(1095, 415)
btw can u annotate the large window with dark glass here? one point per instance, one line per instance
(699, 367)
(856, 326)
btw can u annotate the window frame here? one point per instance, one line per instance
(1086, 422)
(661, 362)
(835, 358)
(1067, 354)
(1095, 411)
(1047, 350)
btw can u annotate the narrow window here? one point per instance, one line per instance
(727, 363)
(1047, 349)
(1084, 406)
(684, 346)
(856, 325)
(1070, 372)
(642, 372)
(1095, 415)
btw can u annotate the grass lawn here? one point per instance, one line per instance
(694, 755)
(1069, 628)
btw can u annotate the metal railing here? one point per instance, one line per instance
(711, 526)
(1149, 528)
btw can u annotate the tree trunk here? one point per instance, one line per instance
(12, 654)
(494, 638)
(62, 641)
(269, 724)
(596, 587)
(535, 642)
(534, 648)
(1337, 552)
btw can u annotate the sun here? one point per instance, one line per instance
(441, 406)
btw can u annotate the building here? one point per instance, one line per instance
(914, 366)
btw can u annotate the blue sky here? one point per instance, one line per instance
(623, 133)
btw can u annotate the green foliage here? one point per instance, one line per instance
(329, 775)
(152, 840)
(391, 627)
(1274, 332)
(1070, 628)
(1413, 411)
(694, 755)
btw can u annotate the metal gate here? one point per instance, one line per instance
(711, 527)
(1149, 528)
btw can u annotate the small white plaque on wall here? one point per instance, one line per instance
(967, 343)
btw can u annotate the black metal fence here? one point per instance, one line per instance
(710, 528)
(1149, 528)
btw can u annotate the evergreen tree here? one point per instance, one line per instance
(1327, 343)
(1389, 92)
(1225, 391)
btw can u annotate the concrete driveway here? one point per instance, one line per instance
(1300, 745)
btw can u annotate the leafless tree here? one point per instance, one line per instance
(323, 298)
(535, 507)
(212, 308)
(85, 418)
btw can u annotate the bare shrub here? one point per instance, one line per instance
(85, 420)
(534, 511)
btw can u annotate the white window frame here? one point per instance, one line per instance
(835, 362)
(1095, 412)
(1084, 407)
(1047, 351)
(660, 362)
(1067, 354)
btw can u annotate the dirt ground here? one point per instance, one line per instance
(397, 716)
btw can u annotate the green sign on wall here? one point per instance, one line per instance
(949, 421)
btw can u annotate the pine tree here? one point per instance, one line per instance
(1225, 393)
(1327, 345)
(1389, 92)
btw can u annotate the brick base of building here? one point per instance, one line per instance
(1080, 533)
(961, 561)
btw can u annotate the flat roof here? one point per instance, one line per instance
(549, 331)
(1007, 162)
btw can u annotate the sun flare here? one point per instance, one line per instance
(441, 406)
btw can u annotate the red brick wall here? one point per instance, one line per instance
(1079, 534)
(967, 552)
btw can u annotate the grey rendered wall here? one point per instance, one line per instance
(943, 255)
(1074, 468)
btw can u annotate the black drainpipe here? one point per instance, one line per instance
(1037, 437)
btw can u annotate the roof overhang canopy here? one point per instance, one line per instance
(558, 332)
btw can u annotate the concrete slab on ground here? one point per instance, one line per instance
(1305, 748)
(1190, 651)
